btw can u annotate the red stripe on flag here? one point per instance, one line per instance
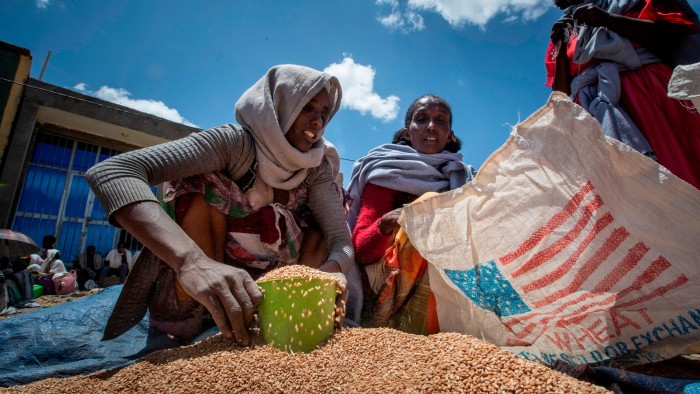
(630, 261)
(574, 317)
(548, 253)
(678, 282)
(560, 271)
(659, 291)
(609, 246)
(569, 209)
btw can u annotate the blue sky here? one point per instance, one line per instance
(190, 63)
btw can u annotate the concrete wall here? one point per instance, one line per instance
(15, 63)
(76, 116)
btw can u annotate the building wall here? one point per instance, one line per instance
(35, 110)
(15, 63)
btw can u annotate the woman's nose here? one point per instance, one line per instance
(317, 119)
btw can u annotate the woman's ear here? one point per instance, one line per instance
(405, 134)
(453, 137)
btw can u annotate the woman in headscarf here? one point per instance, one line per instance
(49, 271)
(241, 200)
(422, 158)
(616, 61)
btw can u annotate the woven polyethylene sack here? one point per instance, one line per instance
(568, 246)
(685, 84)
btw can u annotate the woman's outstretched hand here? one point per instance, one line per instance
(591, 15)
(229, 294)
(332, 267)
(390, 221)
(561, 32)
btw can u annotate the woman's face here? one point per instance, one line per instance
(429, 130)
(306, 129)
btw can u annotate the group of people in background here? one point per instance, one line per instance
(91, 266)
(47, 269)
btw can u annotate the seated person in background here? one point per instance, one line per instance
(422, 158)
(6, 266)
(232, 206)
(19, 279)
(4, 297)
(48, 271)
(89, 266)
(47, 243)
(119, 262)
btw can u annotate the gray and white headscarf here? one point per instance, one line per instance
(269, 108)
(605, 44)
(598, 87)
(402, 168)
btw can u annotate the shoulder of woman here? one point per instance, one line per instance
(236, 145)
(320, 173)
(229, 131)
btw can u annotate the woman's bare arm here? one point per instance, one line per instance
(228, 293)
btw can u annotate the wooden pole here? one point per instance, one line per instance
(43, 67)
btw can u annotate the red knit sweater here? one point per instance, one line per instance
(370, 244)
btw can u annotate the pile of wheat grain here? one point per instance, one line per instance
(296, 271)
(354, 360)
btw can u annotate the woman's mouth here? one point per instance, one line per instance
(310, 134)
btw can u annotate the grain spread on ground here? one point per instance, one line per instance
(354, 360)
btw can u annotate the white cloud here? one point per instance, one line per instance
(459, 12)
(81, 87)
(43, 4)
(122, 97)
(399, 19)
(357, 82)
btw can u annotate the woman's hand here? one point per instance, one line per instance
(561, 32)
(390, 221)
(332, 267)
(229, 294)
(591, 15)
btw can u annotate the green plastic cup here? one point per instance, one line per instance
(297, 314)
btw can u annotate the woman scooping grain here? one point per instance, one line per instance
(241, 199)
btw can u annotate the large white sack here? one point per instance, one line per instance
(685, 83)
(567, 246)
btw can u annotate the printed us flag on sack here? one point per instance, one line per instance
(567, 246)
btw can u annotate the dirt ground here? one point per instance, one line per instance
(48, 301)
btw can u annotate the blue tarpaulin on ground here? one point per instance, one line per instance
(65, 340)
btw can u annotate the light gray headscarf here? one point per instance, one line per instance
(605, 44)
(269, 108)
(402, 168)
(598, 87)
